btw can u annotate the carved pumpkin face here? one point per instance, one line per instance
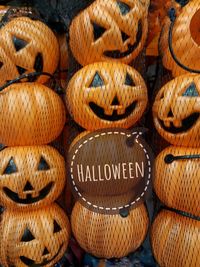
(176, 111)
(104, 95)
(30, 176)
(31, 114)
(110, 30)
(27, 46)
(185, 40)
(109, 236)
(175, 240)
(36, 238)
(177, 180)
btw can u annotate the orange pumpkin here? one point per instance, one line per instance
(176, 111)
(31, 114)
(27, 46)
(30, 177)
(109, 236)
(176, 240)
(109, 30)
(104, 95)
(35, 238)
(176, 180)
(185, 41)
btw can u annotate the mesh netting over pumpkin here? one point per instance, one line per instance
(31, 176)
(179, 41)
(35, 230)
(114, 31)
(106, 94)
(175, 240)
(38, 237)
(176, 111)
(109, 236)
(26, 45)
(175, 232)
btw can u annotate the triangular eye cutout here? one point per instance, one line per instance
(56, 227)
(27, 236)
(19, 43)
(21, 70)
(11, 167)
(129, 81)
(1, 64)
(43, 165)
(97, 81)
(98, 31)
(124, 8)
(182, 2)
(191, 91)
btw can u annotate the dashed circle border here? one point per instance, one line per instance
(111, 133)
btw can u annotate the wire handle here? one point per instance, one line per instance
(170, 158)
(58, 89)
(172, 16)
(183, 213)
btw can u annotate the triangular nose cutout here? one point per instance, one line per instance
(115, 101)
(28, 187)
(170, 114)
(45, 252)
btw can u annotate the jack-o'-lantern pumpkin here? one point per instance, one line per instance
(36, 238)
(27, 46)
(181, 48)
(106, 94)
(176, 111)
(109, 236)
(109, 30)
(31, 114)
(176, 240)
(176, 180)
(30, 177)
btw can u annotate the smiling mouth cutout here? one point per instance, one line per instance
(187, 124)
(99, 111)
(29, 199)
(131, 48)
(31, 263)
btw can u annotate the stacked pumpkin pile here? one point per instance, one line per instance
(108, 94)
(33, 231)
(176, 230)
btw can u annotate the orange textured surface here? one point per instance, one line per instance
(185, 40)
(176, 111)
(106, 94)
(31, 114)
(176, 240)
(36, 237)
(24, 49)
(108, 236)
(30, 177)
(107, 26)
